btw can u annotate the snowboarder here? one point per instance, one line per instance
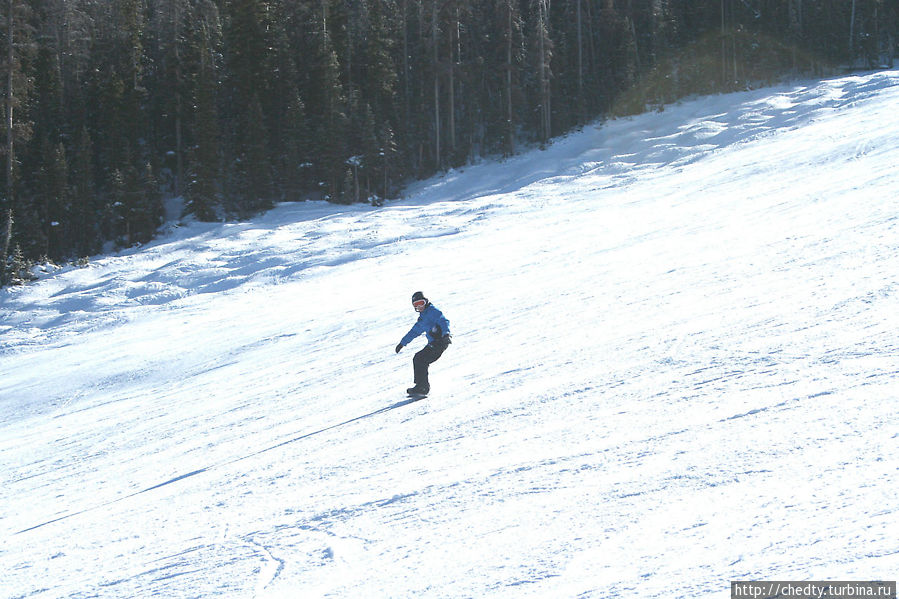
(435, 326)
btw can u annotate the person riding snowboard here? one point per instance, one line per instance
(435, 326)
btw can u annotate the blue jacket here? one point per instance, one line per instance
(432, 322)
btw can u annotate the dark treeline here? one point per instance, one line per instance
(110, 106)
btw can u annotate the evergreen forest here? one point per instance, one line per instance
(113, 106)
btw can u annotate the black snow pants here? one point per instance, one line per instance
(424, 358)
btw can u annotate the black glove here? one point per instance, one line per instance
(399, 346)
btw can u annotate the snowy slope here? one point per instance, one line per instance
(675, 364)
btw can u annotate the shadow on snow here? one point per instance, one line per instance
(193, 473)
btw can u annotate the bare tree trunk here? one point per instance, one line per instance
(723, 47)
(510, 127)
(179, 149)
(434, 33)
(591, 38)
(633, 32)
(852, 34)
(892, 48)
(633, 29)
(10, 188)
(542, 75)
(406, 92)
(451, 92)
(795, 16)
(546, 86)
(580, 67)
(6, 237)
(733, 44)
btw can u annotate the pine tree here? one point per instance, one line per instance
(296, 154)
(57, 223)
(117, 210)
(136, 206)
(542, 59)
(330, 111)
(370, 150)
(249, 60)
(509, 22)
(282, 104)
(381, 76)
(347, 193)
(17, 44)
(254, 171)
(389, 158)
(247, 50)
(48, 110)
(20, 268)
(171, 21)
(149, 210)
(202, 194)
(85, 209)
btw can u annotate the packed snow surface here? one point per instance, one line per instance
(675, 364)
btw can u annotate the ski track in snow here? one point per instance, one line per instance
(675, 364)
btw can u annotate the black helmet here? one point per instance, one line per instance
(419, 301)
